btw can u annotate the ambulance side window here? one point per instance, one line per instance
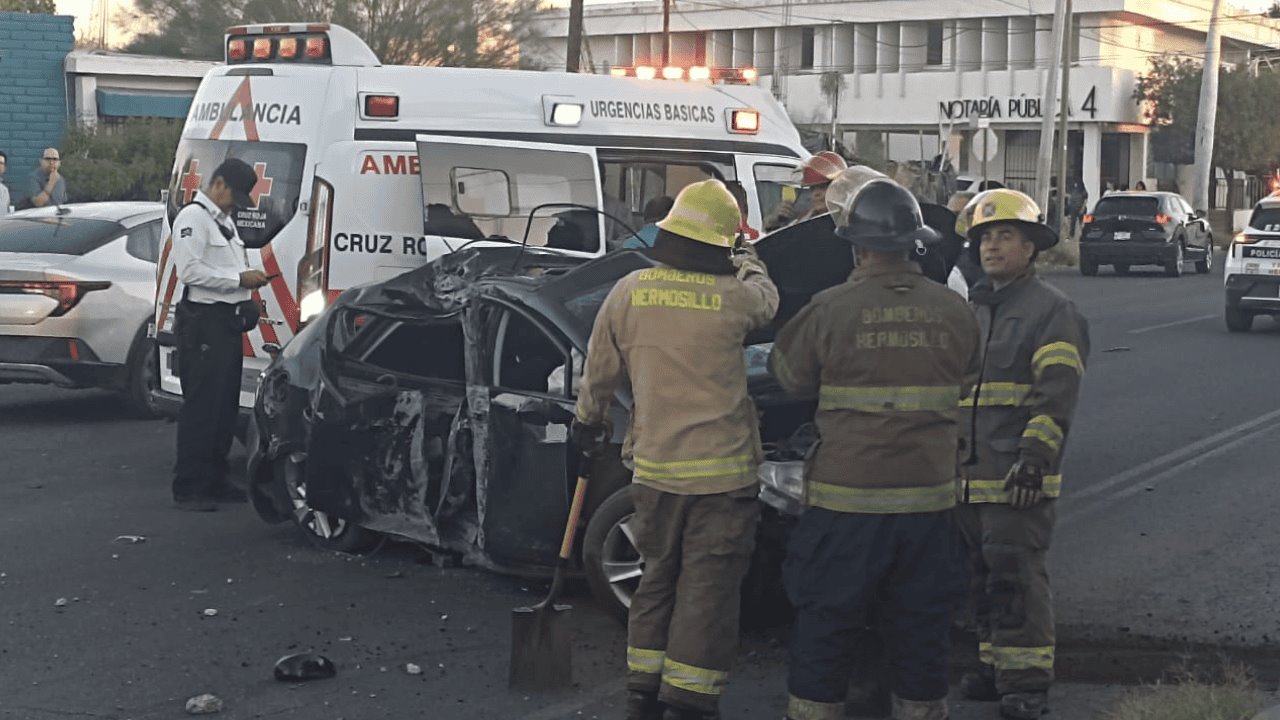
(775, 185)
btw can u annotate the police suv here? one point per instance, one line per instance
(1253, 268)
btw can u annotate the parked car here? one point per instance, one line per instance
(1252, 272)
(434, 407)
(1145, 228)
(975, 184)
(77, 289)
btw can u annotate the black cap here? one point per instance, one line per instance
(238, 176)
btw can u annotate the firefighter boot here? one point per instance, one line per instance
(642, 705)
(979, 686)
(917, 710)
(1024, 705)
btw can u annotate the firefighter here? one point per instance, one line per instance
(676, 331)
(889, 354)
(1016, 426)
(815, 175)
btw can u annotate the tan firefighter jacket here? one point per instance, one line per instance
(1036, 346)
(678, 336)
(889, 355)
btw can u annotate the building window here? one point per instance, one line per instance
(807, 39)
(934, 44)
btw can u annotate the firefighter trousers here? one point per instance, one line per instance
(682, 633)
(840, 565)
(1009, 591)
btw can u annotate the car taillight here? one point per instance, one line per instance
(313, 269)
(1162, 219)
(1088, 219)
(1243, 239)
(67, 293)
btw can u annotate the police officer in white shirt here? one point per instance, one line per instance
(216, 308)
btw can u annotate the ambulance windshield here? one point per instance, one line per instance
(502, 193)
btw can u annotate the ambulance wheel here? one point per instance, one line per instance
(142, 375)
(1088, 267)
(1239, 320)
(611, 561)
(321, 529)
(1122, 268)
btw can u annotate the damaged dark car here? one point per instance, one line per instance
(434, 408)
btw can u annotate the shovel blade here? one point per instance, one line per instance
(541, 649)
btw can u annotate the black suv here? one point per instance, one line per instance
(1145, 228)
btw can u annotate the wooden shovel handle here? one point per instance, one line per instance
(575, 514)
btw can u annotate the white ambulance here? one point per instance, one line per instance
(366, 171)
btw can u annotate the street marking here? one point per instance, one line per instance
(1170, 464)
(1175, 323)
(570, 708)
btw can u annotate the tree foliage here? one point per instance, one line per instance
(1244, 138)
(43, 7)
(126, 161)
(483, 33)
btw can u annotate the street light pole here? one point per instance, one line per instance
(1044, 161)
(666, 33)
(1064, 136)
(573, 55)
(1206, 123)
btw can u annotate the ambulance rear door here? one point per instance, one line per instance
(495, 192)
(770, 180)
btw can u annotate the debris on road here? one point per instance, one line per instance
(395, 575)
(60, 602)
(413, 669)
(204, 705)
(1118, 348)
(304, 666)
(210, 612)
(130, 539)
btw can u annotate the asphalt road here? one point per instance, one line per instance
(1164, 533)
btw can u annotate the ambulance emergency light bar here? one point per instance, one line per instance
(697, 73)
(279, 44)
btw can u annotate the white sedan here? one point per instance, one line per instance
(77, 290)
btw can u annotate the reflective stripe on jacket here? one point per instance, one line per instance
(889, 356)
(677, 336)
(1036, 347)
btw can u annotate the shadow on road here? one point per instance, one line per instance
(19, 406)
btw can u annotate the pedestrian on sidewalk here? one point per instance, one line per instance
(889, 354)
(46, 184)
(4, 189)
(676, 332)
(1016, 426)
(216, 308)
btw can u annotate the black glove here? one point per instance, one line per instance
(1025, 484)
(591, 440)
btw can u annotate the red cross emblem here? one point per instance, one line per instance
(190, 181)
(263, 187)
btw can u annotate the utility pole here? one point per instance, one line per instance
(1044, 161)
(1206, 123)
(573, 55)
(1064, 135)
(666, 32)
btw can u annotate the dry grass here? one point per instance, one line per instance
(1064, 254)
(1232, 695)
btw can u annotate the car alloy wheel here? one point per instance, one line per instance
(1239, 320)
(1173, 266)
(320, 528)
(611, 560)
(1206, 265)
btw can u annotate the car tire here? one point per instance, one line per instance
(320, 529)
(142, 375)
(612, 563)
(1122, 268)
(1205, 265)
(1088, 267)
(1239, 320)
(1173, 266)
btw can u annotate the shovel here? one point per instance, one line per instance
(540, 648)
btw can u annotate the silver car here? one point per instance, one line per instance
(77, 290)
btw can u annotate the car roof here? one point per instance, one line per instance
(1269, 201)
(112, 211)
(1140, 193)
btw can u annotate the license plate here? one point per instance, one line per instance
(1121, 236)
(1266, 253)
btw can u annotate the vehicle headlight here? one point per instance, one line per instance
(782, 486)
(311, 306)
